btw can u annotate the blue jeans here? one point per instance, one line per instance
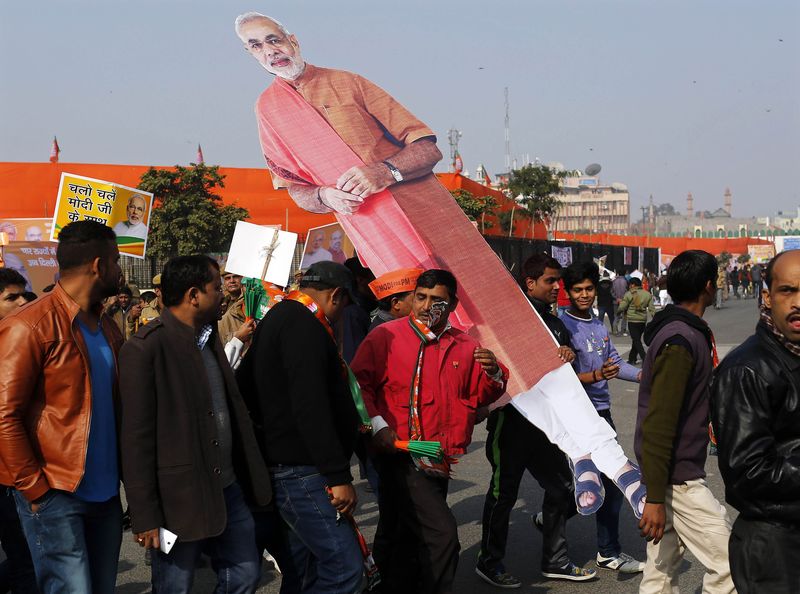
(323, 546)
(607, 517)
(233, 554)
(74, 544)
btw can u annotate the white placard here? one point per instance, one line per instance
(250, 248)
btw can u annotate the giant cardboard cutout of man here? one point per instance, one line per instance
(340, 143)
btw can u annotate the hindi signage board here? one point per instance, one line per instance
(35, 261)
(126, 210)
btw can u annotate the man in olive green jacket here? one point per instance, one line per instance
(636, 304)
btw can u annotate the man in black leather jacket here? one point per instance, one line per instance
(756, 418)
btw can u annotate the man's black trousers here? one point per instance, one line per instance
(765, 557)
(513, 446)
(636, 329)
(418, 551)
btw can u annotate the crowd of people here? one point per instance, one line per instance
(233, 439)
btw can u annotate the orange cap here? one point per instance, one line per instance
(396, 281)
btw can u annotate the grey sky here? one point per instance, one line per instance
(669, 97)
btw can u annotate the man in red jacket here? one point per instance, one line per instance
(422, 380)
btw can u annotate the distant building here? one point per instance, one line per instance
(787, 221)
(588, 205)
(719, 223)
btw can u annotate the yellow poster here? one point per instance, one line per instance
(126, 210)
(761, 253)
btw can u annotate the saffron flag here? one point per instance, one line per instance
(458, 164)
(200, 159)
(54, 151)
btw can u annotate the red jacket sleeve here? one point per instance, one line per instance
(369, 367)
(487, 388)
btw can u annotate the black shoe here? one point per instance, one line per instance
(497, 576)
(570, 572)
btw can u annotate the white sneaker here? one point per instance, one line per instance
(623, 563)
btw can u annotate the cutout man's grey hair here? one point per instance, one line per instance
(247, 17)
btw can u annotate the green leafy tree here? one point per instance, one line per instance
(475, 207)
(724, 258)
(743, 258)
(539, 187)
(520, 214)
(189, 218)
(665, 209)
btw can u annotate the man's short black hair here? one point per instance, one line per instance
(635, 280)
(126, 290)
(535, 265)
(385, 304)
(578, 272)
(689, 273)
(770, 267)
(9, 277)
(79, 243)
(184, 272)
(436, 276)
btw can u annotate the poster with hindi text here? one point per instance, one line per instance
(126, 210)
(35, 261)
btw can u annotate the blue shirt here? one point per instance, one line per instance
(593, 347)
(101, 473)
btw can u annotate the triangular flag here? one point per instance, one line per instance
(54, 150)
(458, 164)
(486, 179)
(200, 159)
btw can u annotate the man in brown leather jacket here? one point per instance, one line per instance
(58, 397)
(189, 453)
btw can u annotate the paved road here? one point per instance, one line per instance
(731, 325)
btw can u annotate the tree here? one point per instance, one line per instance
(189, 218)
(475, 207)
(743, 259)
(724, 259)
(538, 185)
(520, 214)
(666, 210)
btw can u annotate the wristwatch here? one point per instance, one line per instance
(398, 177)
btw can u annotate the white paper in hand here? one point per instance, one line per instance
(261, 252)
(166, 540)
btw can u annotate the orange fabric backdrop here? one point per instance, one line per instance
(29, 190)
(670, 245)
